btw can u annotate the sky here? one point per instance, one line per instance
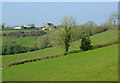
(39, 13)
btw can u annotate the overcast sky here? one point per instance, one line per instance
(39, 13)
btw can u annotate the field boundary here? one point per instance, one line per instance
(54, 56)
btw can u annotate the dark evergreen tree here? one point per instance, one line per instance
(67, 38)
(86, 43)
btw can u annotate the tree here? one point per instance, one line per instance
(86, 43)
(67, 38)
(113, 18)
(3, 25)
(22, 26)
(44, 42)
(90, 24)
(67, 23)
(112, 21)
(90, 27)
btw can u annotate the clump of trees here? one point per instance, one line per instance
(14, 48)
(85, 43)
(24, 34)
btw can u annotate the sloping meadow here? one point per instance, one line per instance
(101, 38)
(94, 65)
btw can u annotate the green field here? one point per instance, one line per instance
(7, 31)
(101, 38)
(28, 41)
(94, 65)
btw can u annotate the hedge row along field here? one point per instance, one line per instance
(101, 38)
(54, 56)
(23, 34)
(93, 65)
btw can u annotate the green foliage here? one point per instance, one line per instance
(85, 44)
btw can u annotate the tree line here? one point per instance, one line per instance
(19, 34)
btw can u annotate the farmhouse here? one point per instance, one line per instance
(17, 27)
(48, 26)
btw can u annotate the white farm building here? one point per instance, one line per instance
(17, 27)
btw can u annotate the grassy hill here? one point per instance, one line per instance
(101, 38)
(94, 65)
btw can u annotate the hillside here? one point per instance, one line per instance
(101, 38)
(93, 65)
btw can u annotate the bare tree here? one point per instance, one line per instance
(90, 24)
(113, 19)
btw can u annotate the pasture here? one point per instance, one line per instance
(93, 65)
(101, 38)
(28, 41)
